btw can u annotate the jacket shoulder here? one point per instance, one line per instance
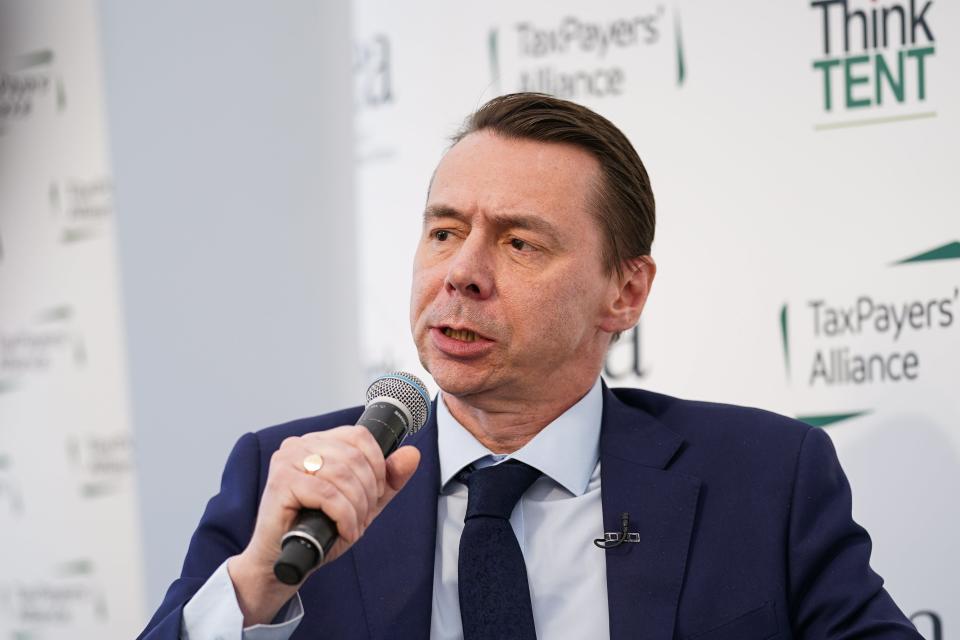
(714, 422)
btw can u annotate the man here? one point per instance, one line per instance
(534, 256)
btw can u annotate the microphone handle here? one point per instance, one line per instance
(313, 533)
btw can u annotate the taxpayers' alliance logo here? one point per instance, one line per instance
(587, 57)
(876, 337)
(875, 61)
(27, 82)
(374, 95)
(60, 598)
(49, 342)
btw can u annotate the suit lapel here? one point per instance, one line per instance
(394, 559)
(644, 578)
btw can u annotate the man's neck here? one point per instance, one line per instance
(506, 426)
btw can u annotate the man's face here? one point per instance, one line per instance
(510, 296)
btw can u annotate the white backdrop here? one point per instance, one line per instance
(780, 222)
(808, 256)
(70, 551)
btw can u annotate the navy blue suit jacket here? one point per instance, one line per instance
(744, 521)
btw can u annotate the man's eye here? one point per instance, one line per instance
(441, 235)
(520, 245)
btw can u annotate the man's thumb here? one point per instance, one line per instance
(400, 467)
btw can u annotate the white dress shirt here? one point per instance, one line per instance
(555, 522)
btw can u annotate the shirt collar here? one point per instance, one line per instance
(566, 450)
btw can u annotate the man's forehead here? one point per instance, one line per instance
(517, 173)
(529, 153)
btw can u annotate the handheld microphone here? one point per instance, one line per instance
(397, 404)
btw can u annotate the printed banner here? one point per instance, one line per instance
(808, 242)
(69, 528)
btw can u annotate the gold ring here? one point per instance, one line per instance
(313, 463)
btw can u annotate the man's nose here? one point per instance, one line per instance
(470, 271)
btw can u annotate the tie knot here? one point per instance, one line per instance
(494, 491)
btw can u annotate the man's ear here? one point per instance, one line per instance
(631, 294)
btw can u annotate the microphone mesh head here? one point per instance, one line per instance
(407, 389)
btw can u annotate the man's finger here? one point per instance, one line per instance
(401, 465)
(319, 493)
(349, 466)
(363, 440)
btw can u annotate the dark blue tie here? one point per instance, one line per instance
(494, 594)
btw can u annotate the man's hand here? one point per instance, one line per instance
(353, 486)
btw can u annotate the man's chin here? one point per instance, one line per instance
(458, 378)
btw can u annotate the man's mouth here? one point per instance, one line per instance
(463, 335)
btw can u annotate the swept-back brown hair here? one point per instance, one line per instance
(623, 203)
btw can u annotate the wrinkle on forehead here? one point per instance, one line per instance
(500, 174)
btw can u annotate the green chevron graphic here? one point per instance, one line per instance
(80, 567)
(54, 197)
(95, 489)
(100, 607)
(949, 251)
(61, 96)
(493, 53)
(76, 235)
(830, 418)
(784, 338)
(55, 314)
(79, 352)
(33, 59)
(681, 65)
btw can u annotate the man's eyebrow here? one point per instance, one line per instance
(436, 212)
(525, 221)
